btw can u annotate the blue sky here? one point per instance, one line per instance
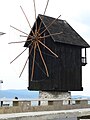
(75, 12)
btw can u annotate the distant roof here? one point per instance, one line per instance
(69, 35)
(1, 81)
(1, 33)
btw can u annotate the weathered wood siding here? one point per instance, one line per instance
(65, 72)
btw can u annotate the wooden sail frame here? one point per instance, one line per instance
(36, 39)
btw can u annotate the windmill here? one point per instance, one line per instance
(55, 54)
(34, 40)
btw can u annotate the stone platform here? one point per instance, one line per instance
(54, 95)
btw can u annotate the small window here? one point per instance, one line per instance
(84, 58)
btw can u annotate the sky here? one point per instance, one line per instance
(75, 12)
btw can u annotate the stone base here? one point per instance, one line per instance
(54, 95)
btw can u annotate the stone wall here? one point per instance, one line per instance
(53, 95)
(53, 105)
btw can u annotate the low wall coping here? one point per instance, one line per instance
(28, 100)
(60, 114)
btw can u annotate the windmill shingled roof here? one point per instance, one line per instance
(69, 35)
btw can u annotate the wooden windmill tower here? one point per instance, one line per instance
(64, 69)
(55, 55)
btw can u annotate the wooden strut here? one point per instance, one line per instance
(38, 38)
(26, 61)
(46, 7)
(48, 48)
(20, 54)
(35, 16)
(20, 41)
(21, 31)
(27, 20)
(33, 61)
(43, 16)
(23, 36)
(50, 35)
(35, 40)
(18, 29)
(49, 25)
(38, 65)
(50, 55)
(43, 60)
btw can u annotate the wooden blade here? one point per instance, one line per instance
(34, 8)
(46, 7)
(35, 16)
(33, 62)
(39, 66)
(48, 48)
(25, 16)
(51, 35)
(20, 54)
(26, 61)
(20, 41)
(23, 36)
(50, 55)
(43, 60)
(18, 30)
(16, 42)
(43, 15)
(27, 20)
(49, 25)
